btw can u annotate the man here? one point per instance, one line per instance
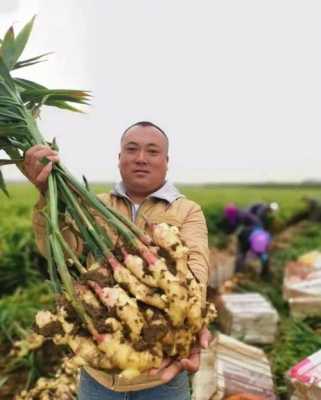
(146, 197)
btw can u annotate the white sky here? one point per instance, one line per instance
(234, 83)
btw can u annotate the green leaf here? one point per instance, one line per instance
(4, 100)
(12, 130)
(4, 112)
(5, 78)
(26, 84)
(11, 146)
(62, 104)
(54, 144)
(85, 182)
(8, 47)
(3, 186)
(36, 95)
(30, 61)
(21, 41)
(34, 91)
(9, 162)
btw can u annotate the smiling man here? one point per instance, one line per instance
(146, 197)
(143, 160)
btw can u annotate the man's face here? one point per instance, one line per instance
(143, 159)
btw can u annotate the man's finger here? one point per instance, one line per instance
(31, 154)
(170, 372)
(44, 174)
(46, 152)
(205, 338)
(165, 363)
(39, 154)
(34, 149)
(192, 363)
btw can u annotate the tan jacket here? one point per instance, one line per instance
(178, 211)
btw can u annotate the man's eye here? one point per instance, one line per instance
(153, 152)
(131, 149)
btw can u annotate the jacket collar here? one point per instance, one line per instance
(167, 192)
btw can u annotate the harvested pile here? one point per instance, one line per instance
(136, 301)
(302, 285)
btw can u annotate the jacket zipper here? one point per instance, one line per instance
(130, 206)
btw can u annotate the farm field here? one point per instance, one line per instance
(24, 289)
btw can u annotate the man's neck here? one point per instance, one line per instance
(138, 198)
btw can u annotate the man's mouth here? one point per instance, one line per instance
(141, 171)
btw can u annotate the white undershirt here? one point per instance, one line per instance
(135, 208)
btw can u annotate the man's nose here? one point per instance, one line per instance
(141, 157)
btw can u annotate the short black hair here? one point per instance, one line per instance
(145, 123)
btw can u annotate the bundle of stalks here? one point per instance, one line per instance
(137, 302)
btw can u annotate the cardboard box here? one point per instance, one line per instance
(248, 317)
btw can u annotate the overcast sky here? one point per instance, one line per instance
(235, 84)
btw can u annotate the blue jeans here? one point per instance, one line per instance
(176, 389)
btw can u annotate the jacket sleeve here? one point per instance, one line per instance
(67, 227)
(195, 236)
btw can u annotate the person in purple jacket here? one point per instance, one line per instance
(250, 225)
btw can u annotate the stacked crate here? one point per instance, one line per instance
(305, 378)
(248, 317)
(302, 285)
(221, 268)
(242, 368)
(235, 367)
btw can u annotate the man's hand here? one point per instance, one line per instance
(34, 168)
(171, 367)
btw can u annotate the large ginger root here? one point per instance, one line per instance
(167, 237)
(138, 289)
(122, 355)
(175, 291)
(126, 307)
(136, 265)
(156, 325)
(177, 342)
(158, 275)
